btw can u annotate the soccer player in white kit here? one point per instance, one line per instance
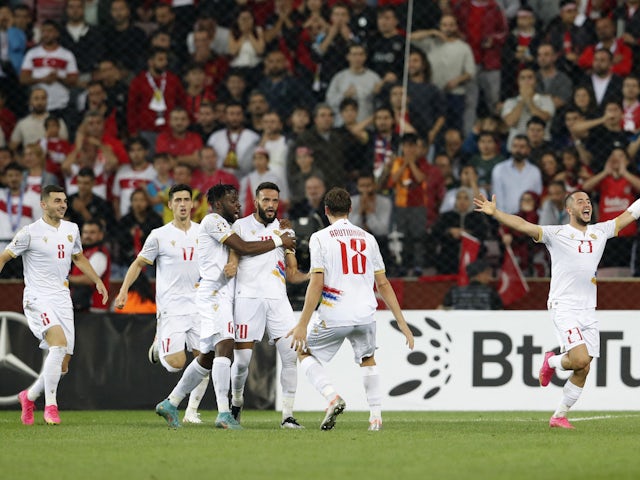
(48, 246)
(261, 301)
(214, 300)
(345, 265)
(576, 250)
(173, 248)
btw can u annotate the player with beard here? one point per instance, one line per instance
(214, 301)
(261, 301)
(575, 251)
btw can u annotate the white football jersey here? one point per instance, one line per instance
(349, 257)
(260, 276)
(177, 274)
(213, 255)
(574, 262)
(46, 255)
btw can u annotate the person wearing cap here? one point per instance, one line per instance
(477, 295)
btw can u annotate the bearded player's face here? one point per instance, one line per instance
(267, 205)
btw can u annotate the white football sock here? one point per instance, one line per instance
(221, 375)
(288, 377)
(373, 389)
(192, 376)
(195, 397)
(570, 395)
(51, 372)
(314, 371)
(239, 374)
(556, 362)
(36, 389)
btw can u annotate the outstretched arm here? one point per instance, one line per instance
(488, 207)
(627, 217)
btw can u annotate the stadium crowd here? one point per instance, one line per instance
(119, 100)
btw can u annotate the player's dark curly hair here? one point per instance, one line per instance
(338, 201)
(218, 192)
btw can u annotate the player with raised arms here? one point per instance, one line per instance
(214, 300)
(345, 265)
(576, 250)
(48, 246)
(173, 248)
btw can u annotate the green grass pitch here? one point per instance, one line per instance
(124, 445)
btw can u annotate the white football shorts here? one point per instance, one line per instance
(324, 342)
(216, 319)
(175, 332)
(577, 327)
(253, 315)
(43, 313)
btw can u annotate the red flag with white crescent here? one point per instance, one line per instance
(512, 285)
(469, 249)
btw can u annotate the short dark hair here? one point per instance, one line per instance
(87, 172)
(51, 23)
(218, 192)
(409, 138)
(51, 119)
(49, 189)
(94, 221)
(180, 187)
(535, 120)
(348, 102)
(156, 50)
(139, 140)
(569, 197)
(338, 201)
(522, 137)
(13, 166)
(267, 186)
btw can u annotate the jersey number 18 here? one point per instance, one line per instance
(353, 257)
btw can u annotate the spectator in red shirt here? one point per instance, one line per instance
(618, 188)
(196, 90)
(55, 148)
(178, 141)
(622, 54)
(215, 66)
(208, 174)
(97, 101)
(153, 93)
(486, 32)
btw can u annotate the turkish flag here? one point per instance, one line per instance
(513, 285)
(469, 248)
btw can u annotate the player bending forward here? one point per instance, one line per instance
(575, 251)
(173, 248)
(214, 299)
(261, 302)
(345, 264)
(47, 247)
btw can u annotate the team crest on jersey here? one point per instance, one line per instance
(215, 307)
(70, 238)
(221, 226)
(45, 239)
(173, 243)
(594, 236)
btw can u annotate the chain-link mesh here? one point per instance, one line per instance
(119, 100)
